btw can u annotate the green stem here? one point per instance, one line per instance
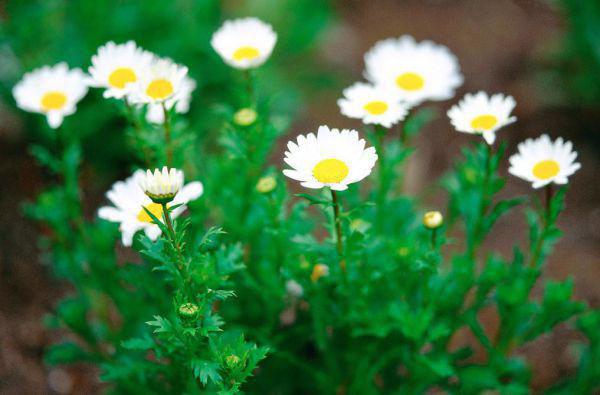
(250, 88)
(167, 125)
(537, 250)
(137, 126)
(433, 239)
(337, 223)
(475, 238)
(169, 224)
(548, 192)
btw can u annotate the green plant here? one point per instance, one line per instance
(336, 292)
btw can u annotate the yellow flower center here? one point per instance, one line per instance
(154, 208)
(159, 89)
(245, 53)
(410, 81)
(53, 101)
(376, 107)
(546, 169)
(330, 171)
(121, 77)
(484, 122)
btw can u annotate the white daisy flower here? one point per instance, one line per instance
(331, 158)
(117, 67)
(373, 104)
(244, 43)
(129, 201)
(161, 81)
(162, 185)
(419, 71)
(542, 161)
(181, 100)
(482, 114)
(51, 90)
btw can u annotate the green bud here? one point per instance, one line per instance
(433, 219)
(188, 311)
(266, 184)
(232, 361)
(244, 117)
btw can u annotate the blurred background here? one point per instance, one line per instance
(544, 53)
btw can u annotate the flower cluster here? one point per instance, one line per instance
(379, 275)
(402, 74)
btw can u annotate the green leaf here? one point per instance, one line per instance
(205, 371)
(313, 200)
(139, 343)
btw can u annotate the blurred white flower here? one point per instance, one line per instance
(418, 71)
(244, 43)
(161, 81)
(373, 104)
(181, 100)
(482, 114)
(117, 67)
(51, 90)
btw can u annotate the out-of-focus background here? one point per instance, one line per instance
(545, 53)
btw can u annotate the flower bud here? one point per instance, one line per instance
(266, 184)
(188, 311)
(319, 270)
(433, 219)
(162, 186)
(232, 361)
(294, 289)
(244, 117)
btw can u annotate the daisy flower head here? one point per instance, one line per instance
(373, 104)
(161, 81)
(418, 71)
(244, 43)
(129, 200)
(117, 67)
(51, 90)
(332, 159)
(541, 161)
(180, 100)
(162, 185)
(482, 114)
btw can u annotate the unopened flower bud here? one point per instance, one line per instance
(244, 117)
(266, 184)
(162, 186)
(188, 311)
(232, 361)
(319, 270)
(293, 288)
(433, 219)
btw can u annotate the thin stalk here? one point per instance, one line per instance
(137, 126)
(337, 222)
(380, 136)
(433, 239)
(402, 134)
(537, 250)
(167, 125)
(482, 203)
(250, 88)
(169, 224)
(548, 193)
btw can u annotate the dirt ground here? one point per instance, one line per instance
(502, 46)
